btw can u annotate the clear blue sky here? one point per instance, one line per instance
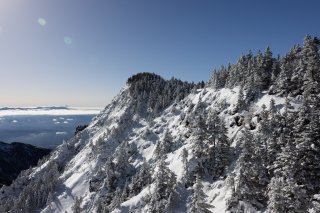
(80, 52)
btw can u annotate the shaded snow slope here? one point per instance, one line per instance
(15, 157)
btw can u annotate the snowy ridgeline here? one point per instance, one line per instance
(247, 144)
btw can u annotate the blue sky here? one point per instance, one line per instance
(80, 52)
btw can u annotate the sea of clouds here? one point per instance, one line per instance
(42, 126)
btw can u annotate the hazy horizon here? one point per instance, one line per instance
(43, 126)
(43, 106)
(80, 53)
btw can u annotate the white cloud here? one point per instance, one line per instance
(61, 133)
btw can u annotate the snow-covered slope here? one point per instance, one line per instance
(116, 124)
(248, 141)
(83, 159)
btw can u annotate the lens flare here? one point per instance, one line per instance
(67, 40)
(42, 21)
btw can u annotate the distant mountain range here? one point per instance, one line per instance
(49, 110)
(16, 157)
(36, 108)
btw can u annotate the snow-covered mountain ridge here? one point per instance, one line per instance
(169, 146)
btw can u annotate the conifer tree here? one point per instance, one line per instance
(241, 101)
(76, 208)
(248, 188)
(198, 203)
(184, 156)
(164, 180)
(310, 63)
(140, 179)
(222, 150)
(199, 145)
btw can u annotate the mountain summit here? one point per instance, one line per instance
(246, 141)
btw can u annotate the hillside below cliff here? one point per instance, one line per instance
(15, 157)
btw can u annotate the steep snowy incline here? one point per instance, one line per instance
(89, 164)
(75, 158)
(117, 124)
(88, 161)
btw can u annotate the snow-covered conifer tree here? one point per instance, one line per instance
(198, 200)
(164, 180)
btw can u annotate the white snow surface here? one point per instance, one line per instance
(83, 165)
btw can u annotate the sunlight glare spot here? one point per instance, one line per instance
(42, 21)
(67, 40)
